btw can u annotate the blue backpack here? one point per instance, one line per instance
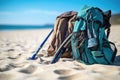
(89, 41)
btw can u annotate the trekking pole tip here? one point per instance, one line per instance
(32, 58)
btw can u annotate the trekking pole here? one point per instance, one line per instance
(41, 45)
(61, 49)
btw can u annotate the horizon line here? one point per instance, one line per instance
(29, 24)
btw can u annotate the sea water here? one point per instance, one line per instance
(24, 27)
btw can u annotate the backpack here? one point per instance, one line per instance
(89, 42)
(63, 27)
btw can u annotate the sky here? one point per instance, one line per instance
(39, 12)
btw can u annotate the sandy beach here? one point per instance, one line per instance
(16, 46)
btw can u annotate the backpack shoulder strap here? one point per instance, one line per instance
(101, 34)
(106, 23)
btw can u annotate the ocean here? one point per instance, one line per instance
(24, 27)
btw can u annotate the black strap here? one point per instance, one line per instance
(114, 51)
(108, 32)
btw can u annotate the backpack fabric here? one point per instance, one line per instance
(63, 27)
(89, 41)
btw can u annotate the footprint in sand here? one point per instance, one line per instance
(29, 70)
(63, 72)
(70, 77)
(7, 67)
(77, 68)
(14, 56)
(10, 50)
(67, 74)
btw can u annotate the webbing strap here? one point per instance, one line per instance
(108, 32)
(101, 34)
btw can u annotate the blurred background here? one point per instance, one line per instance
(44, 12)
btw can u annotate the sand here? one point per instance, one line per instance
(16, 46)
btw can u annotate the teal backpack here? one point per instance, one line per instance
(90, 44)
